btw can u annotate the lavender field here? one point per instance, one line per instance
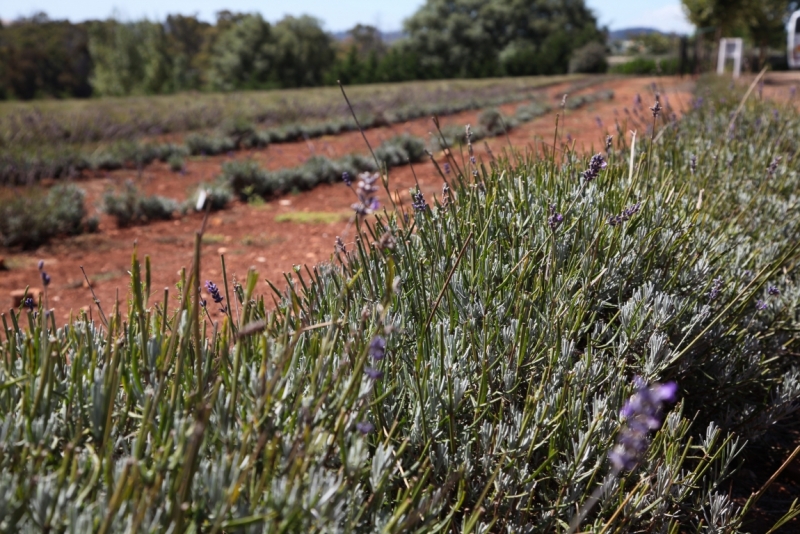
(556, 343)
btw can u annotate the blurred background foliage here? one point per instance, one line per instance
(40, 57)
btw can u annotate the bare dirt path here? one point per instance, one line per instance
(294, 229)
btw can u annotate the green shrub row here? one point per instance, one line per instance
(26, 167)
(32, 220)
(130, 206)
(247, 179)
(649, 66)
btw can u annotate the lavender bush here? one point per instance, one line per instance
(464, 369)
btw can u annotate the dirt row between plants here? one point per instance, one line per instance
(276, 235)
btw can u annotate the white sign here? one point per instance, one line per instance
(730, 48)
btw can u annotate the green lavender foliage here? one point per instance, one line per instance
(130, 206)
(510, 350)
(247, 178)
(58, 140)
(30, 221)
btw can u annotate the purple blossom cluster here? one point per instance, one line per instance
(555, 219)
(418, 201)
(43, 274)
(213, 290)
(340, 246)
(643, 413)
(596, 164)
(772, 291)
(376, 351)
(716, 288)
(366, 191)
(627, 213)
(773, 167)
(656, 108)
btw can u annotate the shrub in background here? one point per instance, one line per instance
(30, 221)
(589, 59)
(130, 206)
(176, 163)
(643, 65)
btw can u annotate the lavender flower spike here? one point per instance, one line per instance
(213, 290)
(377, 348)
(596, 164)
(643, 412)
(373, 374)
(773, 291)
(555, 219)
(418, 201)
(656, 109)
(365, 427)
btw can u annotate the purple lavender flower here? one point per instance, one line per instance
(596, 164)
(693, 163)
(656, 109)
(377, 348)
(367, 201)
(773, 291)
(643, 412)
(44, 275)
(761, 305)
(716, 288)
(28, 303)
(418, 201)
(637, 100)
(609, 142)
(555, 219)
(373, 374)
(599, 122)
(447, 168)
(447, 197)
(340, 246)
(365, 427)
(698, 102)
(773, 167)
(213, 290)
(347, 179)
(627, 213)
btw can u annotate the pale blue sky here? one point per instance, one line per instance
(336, 14)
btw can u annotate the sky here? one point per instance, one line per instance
(387, 15)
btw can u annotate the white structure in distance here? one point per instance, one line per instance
(793, 46)
(730, 48)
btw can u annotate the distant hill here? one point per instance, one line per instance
(388, 37)
(627, 33)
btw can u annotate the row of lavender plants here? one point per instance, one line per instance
(23, 164)
(552, 345)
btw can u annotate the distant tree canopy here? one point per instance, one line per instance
(40, 57)
(445, 38)
(476, 38)
(763, 22)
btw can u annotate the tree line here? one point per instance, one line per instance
(40, 57)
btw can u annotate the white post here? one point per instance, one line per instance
(730, 48)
